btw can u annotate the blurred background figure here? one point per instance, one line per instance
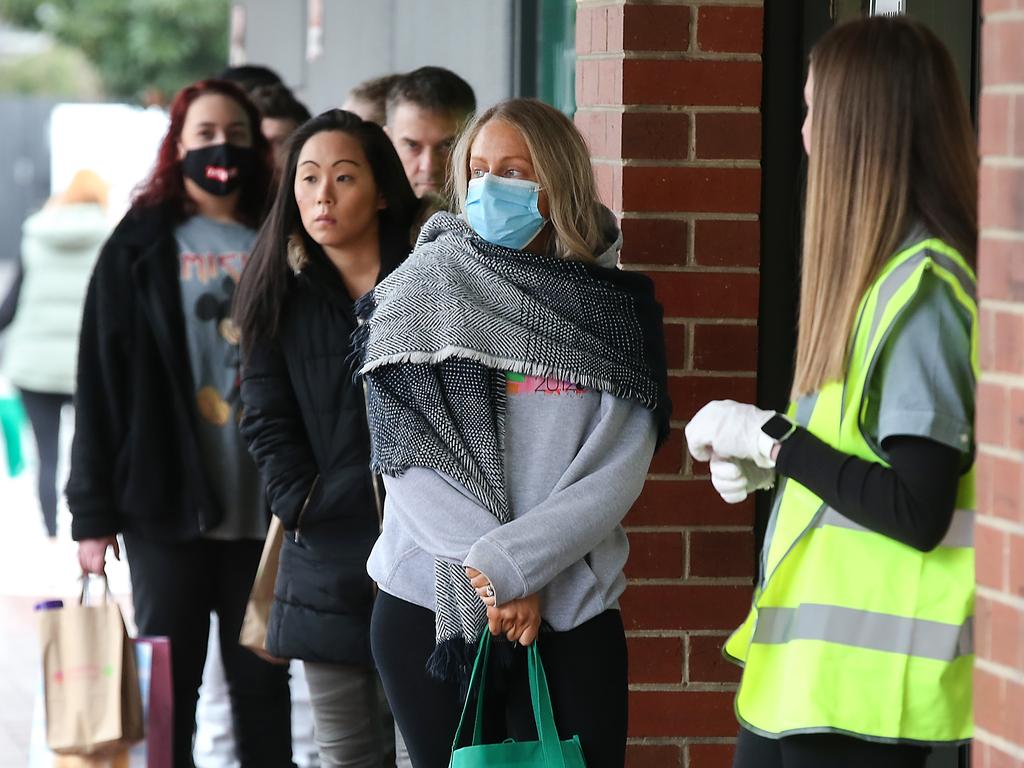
(369, 99)
(281, 114)
(248, 77)
(43, 310)
(426, 109)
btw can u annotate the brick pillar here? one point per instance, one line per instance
(669, 98)
(999, 534)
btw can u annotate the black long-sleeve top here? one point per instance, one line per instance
(912, 501)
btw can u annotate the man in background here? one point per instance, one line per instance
(281, 113)
(369, 99)
(249, 76)
(426, 109)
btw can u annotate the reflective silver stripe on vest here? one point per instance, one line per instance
(899, 275)
(960, 533)
(865, 629)
(804, 410)
(967, 283)
(888, 289)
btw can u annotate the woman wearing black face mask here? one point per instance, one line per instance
(157, 456)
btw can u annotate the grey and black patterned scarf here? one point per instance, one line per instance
(437, 338)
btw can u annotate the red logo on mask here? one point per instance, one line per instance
(218, 173)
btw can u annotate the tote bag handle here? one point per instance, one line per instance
(543, 714)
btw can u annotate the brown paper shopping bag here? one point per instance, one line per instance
(257, 611)
(90, 683)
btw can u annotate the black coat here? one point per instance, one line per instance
(135, 460)
(305, 421)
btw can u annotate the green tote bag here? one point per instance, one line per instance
(549, 752)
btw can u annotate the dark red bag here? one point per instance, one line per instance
(153, 654)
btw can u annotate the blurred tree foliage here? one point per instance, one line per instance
(20, 13)
(62, 71)
(135, 45)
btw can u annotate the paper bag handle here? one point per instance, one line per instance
(108, 596)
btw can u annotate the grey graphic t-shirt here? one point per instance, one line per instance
(211, 256)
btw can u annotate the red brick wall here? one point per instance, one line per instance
(999, 535)
(669, 98)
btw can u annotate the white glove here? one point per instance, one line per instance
(730, 430)
(735, 479)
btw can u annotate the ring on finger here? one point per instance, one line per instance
(489, 590)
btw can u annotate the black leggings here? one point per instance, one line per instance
(824, 750)
(585, 668)
(43, 409)
(175, 586)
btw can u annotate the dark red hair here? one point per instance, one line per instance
(165, 186)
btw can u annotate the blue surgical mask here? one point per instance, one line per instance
(504, 211)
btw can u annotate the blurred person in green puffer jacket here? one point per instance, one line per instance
(43, 315)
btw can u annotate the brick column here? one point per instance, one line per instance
(669, 98)
(999, 534)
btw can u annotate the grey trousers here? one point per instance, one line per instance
(354, 728)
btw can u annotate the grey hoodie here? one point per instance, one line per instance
(575, 461)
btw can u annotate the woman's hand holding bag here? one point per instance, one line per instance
(518, 619)
(92, 554)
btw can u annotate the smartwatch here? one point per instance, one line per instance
(778, 427)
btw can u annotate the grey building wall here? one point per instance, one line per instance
(24, 168)
(368, 38)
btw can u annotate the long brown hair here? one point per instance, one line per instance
(891, 147)
(562, 162)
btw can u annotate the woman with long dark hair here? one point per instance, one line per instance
(857, 649)
(340, 223)
(157, 455)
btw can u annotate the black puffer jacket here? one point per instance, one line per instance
(305, 422)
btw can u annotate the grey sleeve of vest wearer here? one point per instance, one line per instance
(590, 499)
(924, 383)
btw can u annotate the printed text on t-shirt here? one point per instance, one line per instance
(520, 384)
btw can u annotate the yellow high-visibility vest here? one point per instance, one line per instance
(851, 631)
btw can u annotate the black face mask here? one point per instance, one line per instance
(219, 169)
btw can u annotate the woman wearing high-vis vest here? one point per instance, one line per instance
(857, 649)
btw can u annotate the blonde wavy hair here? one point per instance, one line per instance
(562, 162)
(891, 147)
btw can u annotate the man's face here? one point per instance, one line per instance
(424, 141)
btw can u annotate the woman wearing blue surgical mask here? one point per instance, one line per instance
(157, 455)
(516, 393)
